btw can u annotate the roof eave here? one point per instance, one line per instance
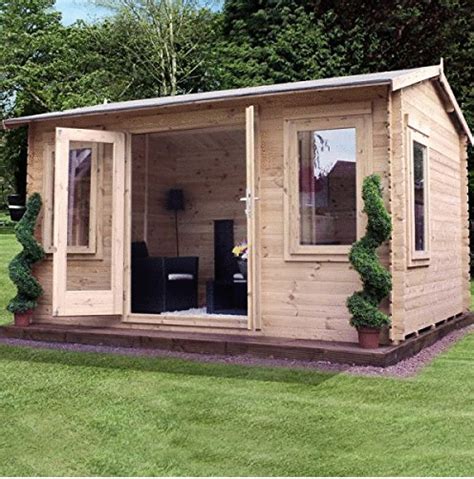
(416, 76)
(456, 109)
(432, 73)
(13, 123)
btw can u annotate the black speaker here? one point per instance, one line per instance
(225, 264)
(175, 200)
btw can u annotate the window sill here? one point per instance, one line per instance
(419, 260)
(323, 253)
(76, 255)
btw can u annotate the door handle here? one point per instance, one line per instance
(245, 198)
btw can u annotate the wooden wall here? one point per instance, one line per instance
(435, 291)
(308, 299)
(153, 173)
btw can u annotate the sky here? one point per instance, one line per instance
(342, 144)
(73, 10)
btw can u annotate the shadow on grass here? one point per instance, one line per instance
(163, 365)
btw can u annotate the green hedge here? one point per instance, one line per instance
(377, 281)
(20, 268)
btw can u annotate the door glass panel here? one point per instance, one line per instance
(79, 195)
(327, 186)
(90, 187)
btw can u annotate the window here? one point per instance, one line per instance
(82, 191)
(418, 197)
(419, 156)
(325, 162)
(327, 186)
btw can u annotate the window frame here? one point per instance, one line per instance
(362, 123)
(416, 133)
(92, 248)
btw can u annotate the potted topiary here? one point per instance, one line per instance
(20, 268)
(377, 281)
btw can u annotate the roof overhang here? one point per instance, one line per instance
(396, 80)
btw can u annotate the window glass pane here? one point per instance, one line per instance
(327, 186)
(96, 273)
(419, 155)
(79, 196)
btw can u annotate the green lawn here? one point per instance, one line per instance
(472, 295)
(64, 413)
(8, 248)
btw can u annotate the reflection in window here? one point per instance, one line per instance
(419, 155)
(79, 196)
(327, 186)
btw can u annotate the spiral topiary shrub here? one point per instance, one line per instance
(20, 268)
(377, 281)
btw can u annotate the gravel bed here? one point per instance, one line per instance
(406, 368)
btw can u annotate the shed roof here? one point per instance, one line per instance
(395, 79)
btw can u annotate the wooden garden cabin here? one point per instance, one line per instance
(296, 154)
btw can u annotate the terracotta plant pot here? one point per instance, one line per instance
(23, 319)
(368, 338)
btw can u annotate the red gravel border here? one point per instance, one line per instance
(406, 368)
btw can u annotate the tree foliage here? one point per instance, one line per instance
(275, 42)
(167, 41)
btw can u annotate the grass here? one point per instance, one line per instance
(65, 413)
(6, 225)
(8, 248)
(472, 295)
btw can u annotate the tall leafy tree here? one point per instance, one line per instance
(46, 66)
(168, 42)
(30, 36)
(277, 41)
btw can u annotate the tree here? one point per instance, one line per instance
(274, 42)
(168, 41)
(30, 36)
(46, 66)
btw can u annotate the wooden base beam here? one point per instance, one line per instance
(234, 345)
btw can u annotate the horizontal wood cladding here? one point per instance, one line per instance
(303, 300)
(307, 299)
(437, 289)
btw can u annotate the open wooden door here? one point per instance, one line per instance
(88, 222)
(251, 199)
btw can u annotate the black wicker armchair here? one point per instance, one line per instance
(162, 284)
